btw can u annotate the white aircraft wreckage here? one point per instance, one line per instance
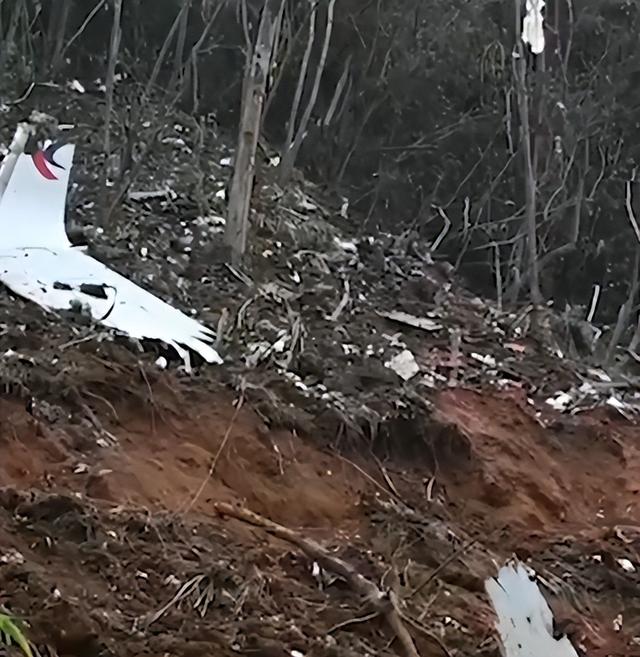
(39, 263)
(525, 620)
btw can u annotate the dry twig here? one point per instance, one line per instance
(216, 458)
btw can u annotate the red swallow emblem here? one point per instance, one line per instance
(44, 160)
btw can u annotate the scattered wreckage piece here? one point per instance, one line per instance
(38, 262)
(525, 621)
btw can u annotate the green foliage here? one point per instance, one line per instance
(11, 633)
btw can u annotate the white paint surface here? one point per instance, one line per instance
(525, 621)
(35, 255)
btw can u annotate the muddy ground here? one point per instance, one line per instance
(110, 544)
(98, 541)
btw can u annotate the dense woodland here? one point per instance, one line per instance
(414, 110)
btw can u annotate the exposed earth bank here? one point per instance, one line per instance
(114, 547)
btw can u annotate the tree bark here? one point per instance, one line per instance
(254, 87)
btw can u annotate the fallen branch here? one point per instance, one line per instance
(385, 603)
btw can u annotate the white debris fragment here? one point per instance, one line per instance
(404, 365)
(560, 401)
(76, 85)
(626, 565)
(617, 623)
(149, 195)
(614, 402)
(525, 621)
(533, 26)
(38, 262)
(225, 162)
(485, 359)
(423, 323)
(12, 556)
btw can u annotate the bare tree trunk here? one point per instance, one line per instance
(10, 37)
(337, 94)
(254, 87)
(114, 46)
(291, 154)
(530, 181)
(178, 69)
(302, 76)
(61, 30)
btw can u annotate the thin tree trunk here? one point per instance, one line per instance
(302, 76)
(291, 154)
(61, 31)
(530, 181)
(10, 37)
(337, 94)
(114, 47)
(254, 87)
(176, 76)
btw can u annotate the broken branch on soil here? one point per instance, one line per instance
(385, 603)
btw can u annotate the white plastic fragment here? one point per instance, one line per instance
(626, 565)
(533, 26)
(525, 621)
(76, 85)
(404, 365)
(560, 401)
(38, 262)
(485, 359)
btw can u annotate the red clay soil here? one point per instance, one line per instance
(94, 541)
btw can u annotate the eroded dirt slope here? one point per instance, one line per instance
(97, 540)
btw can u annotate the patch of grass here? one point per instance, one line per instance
(11, 633)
